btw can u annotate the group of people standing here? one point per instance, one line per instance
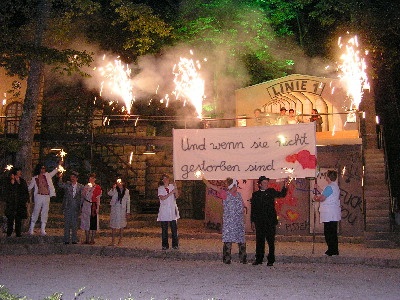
(79, 202)
(283, 118)
(84, 201)
(264, 217)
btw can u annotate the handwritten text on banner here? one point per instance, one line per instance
(245, 152)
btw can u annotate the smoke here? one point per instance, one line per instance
(220, 54)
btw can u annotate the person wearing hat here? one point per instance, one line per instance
(233, 219)
(120, 209)
(71, 206)
(282, 119)
(264, 219)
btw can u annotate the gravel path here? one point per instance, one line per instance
(106, 277)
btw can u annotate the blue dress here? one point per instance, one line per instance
(233, 219)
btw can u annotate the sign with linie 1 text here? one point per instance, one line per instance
(245, 152)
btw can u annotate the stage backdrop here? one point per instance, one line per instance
(245, 152)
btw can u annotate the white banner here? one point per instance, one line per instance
(245, 152)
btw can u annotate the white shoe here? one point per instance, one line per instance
(31, 232)
(43, 233)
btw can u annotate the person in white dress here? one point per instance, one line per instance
(120, 209)
(168, 212)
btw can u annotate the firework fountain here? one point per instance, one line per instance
(117, 80)
(353, 71)
(189, 84)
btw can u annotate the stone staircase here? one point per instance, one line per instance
(377, 201)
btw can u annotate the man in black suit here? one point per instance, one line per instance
(264, 219)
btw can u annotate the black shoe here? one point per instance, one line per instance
(255, 263)
(328, 253)
(164, 248)
(270, 264)
(227, 262)
(175, 247)
(66, 243)
(74, 243)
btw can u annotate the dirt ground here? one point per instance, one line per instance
(119, 277)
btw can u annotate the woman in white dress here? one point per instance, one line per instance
(120, 209)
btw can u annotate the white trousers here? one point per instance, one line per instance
(42, 203)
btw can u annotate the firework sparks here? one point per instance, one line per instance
(62, 154)
(118, 81)
(188, 83)
(198, 174)
(130, 158)
(353, 71)
(61, 169)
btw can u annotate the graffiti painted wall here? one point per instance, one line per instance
(295, 211)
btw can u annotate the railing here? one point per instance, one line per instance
(394, 205)
(85, 124)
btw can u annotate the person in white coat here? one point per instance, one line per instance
(168, 212)
(120, 209)
(330, 211)
(43, 186)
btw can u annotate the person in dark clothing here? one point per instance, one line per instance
(17, 197)
(264, 219)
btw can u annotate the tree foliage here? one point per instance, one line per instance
(133, 29)
(19, 44)
(240, 28)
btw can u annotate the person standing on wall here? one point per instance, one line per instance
(316, 117)
(330, 211)
(71, 206)
(264, 219)
(168, 212)
(233, 219)
(43, 186)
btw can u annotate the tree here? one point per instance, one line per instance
(238, 41)
(133, 29)
(26, 50)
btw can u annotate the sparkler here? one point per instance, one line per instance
(353, 71)
(61, 169)
(198, 174)
(130, 158)
(62, 154)
(8, 167)
(290, 172)
(189, 84)
(118, 81)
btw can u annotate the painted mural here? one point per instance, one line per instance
(296, 211)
